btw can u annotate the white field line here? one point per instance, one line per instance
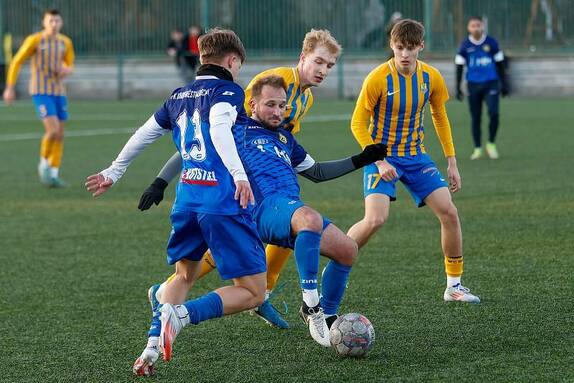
(115, 131)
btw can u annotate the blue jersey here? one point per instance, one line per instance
(270, 158)
(480, 58)
(205, 185)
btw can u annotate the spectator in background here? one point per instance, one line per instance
(176, 49)
(190, 44)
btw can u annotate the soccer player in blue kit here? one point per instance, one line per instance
(213, 196)
(272, 159)
(486, 79)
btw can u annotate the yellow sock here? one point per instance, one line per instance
(453, 266)
(207, 264)
(55, 157)
(46, 148)
(276, 259)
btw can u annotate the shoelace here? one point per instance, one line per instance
(460, 287)
(318, 318)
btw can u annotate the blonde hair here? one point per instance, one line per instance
(217, 43)
(273, 81)
(317, 37)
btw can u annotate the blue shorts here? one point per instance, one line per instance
(419, 174)
(273, 217)
(47, 106)
(232, 239)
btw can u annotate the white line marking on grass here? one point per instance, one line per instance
(119, 131)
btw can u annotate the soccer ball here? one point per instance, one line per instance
(352, 335)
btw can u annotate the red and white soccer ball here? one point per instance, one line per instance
(352, 335)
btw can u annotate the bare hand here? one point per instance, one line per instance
(454, 180)
(97, 184)
(9, 95)
(64, 71)
(387, 171)
(244, 194)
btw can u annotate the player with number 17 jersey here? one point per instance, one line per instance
(186, 114)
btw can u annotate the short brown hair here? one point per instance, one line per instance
(317, 37)
(273, 81)
(408, 32)
(217, 43)
(51, 11)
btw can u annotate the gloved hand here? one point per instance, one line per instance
(505, 89)
(370, 154)
(153, 194)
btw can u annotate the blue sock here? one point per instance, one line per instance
(155, 327)
(203, 308)
(333, 285)
(307, 251)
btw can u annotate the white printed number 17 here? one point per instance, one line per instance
(197, 151)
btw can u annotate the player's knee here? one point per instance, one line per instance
(52, 134)
(349, 252)
(449, 214)
(375, 222)
(313, 221)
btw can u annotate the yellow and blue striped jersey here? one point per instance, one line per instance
(390, 109)
(47, 56)
(299, 101)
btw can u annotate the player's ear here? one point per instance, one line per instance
(252, 105)
(422, 45)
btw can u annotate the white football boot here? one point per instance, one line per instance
(171, 325)
(491, 151)
(144, 365)
(459, 293)
(476, 154)
(314, 317)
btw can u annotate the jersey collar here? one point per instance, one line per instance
(214, 70)
(479, 41)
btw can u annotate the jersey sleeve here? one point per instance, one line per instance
(298, 154)
(461, 55)
(370, 93)
(25, 51)
(69, 55)
(497, 54)
(162, 114)
(438, 98)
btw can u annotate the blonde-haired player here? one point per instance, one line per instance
(52, 59)
(390, 110)
(319, 54)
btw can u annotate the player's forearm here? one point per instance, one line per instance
(501, 71)
(359, 125)
(13, 72)
(459, 70)
(221, 119)
(145, 135)
(442, 127)
(329, 170)
(171, 168)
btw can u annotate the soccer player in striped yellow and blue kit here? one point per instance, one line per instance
(318, 56)
(52, 59)
(390, 110)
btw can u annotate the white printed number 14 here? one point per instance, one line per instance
(197, 150)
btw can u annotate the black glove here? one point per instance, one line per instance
(459, 95)
(370, 154)
(153, 194)
(505, 90)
